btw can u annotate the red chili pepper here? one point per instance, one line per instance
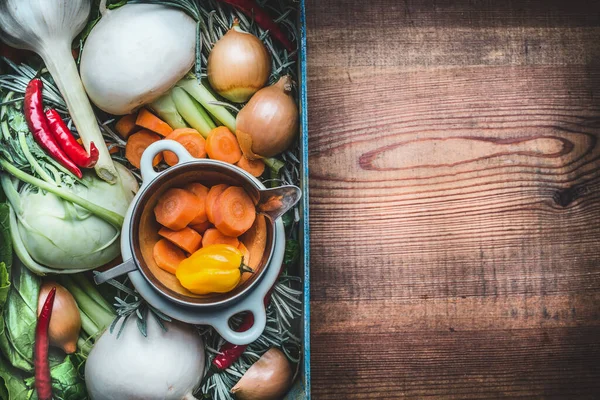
(43, 380)
(68, 144)
(229, 353)
(252, 9)
(38, 125)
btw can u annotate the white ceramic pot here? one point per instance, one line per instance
(214, 310)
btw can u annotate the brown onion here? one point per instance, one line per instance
(65, 322)
(238, 65)
(268, 124)
(267, 379)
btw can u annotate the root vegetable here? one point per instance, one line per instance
(135, 54)
(164, 365)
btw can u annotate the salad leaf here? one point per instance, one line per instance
(66, 382)
(20, 317)
(4, 285)
(6, 254)
(12, 384)
(2, 200)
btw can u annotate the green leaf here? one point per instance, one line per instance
(66, 382)
(6, 253)
(17, 122)
(20, 318)
(2, 199)
(4, 285)
(292, 251)
(12, 383)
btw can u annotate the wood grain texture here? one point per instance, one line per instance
(455, 195)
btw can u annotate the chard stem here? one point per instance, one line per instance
(92, 292)
(274, 164)
(203, 96)
(101, 317)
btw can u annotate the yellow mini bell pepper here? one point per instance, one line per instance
(212, 269)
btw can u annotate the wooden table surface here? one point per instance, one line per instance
(455, 198)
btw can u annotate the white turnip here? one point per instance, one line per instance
(165, 365)
(135, 54)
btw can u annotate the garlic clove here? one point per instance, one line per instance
(267, 379)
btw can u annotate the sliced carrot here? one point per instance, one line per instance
(111, 150)
(147, 120)
(176, 208)
(213, 193)
(213, 236)
(186, 239)
(201, 192)
(125, 126)
(245, 253)
(191, 139)
(253, 167)
(222, 145)
(255, 241)
(167, 256)
(137, 143)
(201, 228)
(234, 212)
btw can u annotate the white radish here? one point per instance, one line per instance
(165, 365)
(136, 53)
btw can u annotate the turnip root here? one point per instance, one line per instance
(162, 366)
(135, 54)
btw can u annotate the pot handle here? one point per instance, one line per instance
(146, 168)
(242, 338)
(114, 272)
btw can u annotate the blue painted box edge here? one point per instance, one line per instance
(301, 389)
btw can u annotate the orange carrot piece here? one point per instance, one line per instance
(245, 253)
(167, 256)
(125, 126)
(255, 241)
(234, 212)
(213, 194)
(201, 192)
(201, 228)
(147, 120)
(213, 236)
(186, 239)
(222, 145)
(191, 139)
(137, 143)
(253, 167)
(176, 208)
